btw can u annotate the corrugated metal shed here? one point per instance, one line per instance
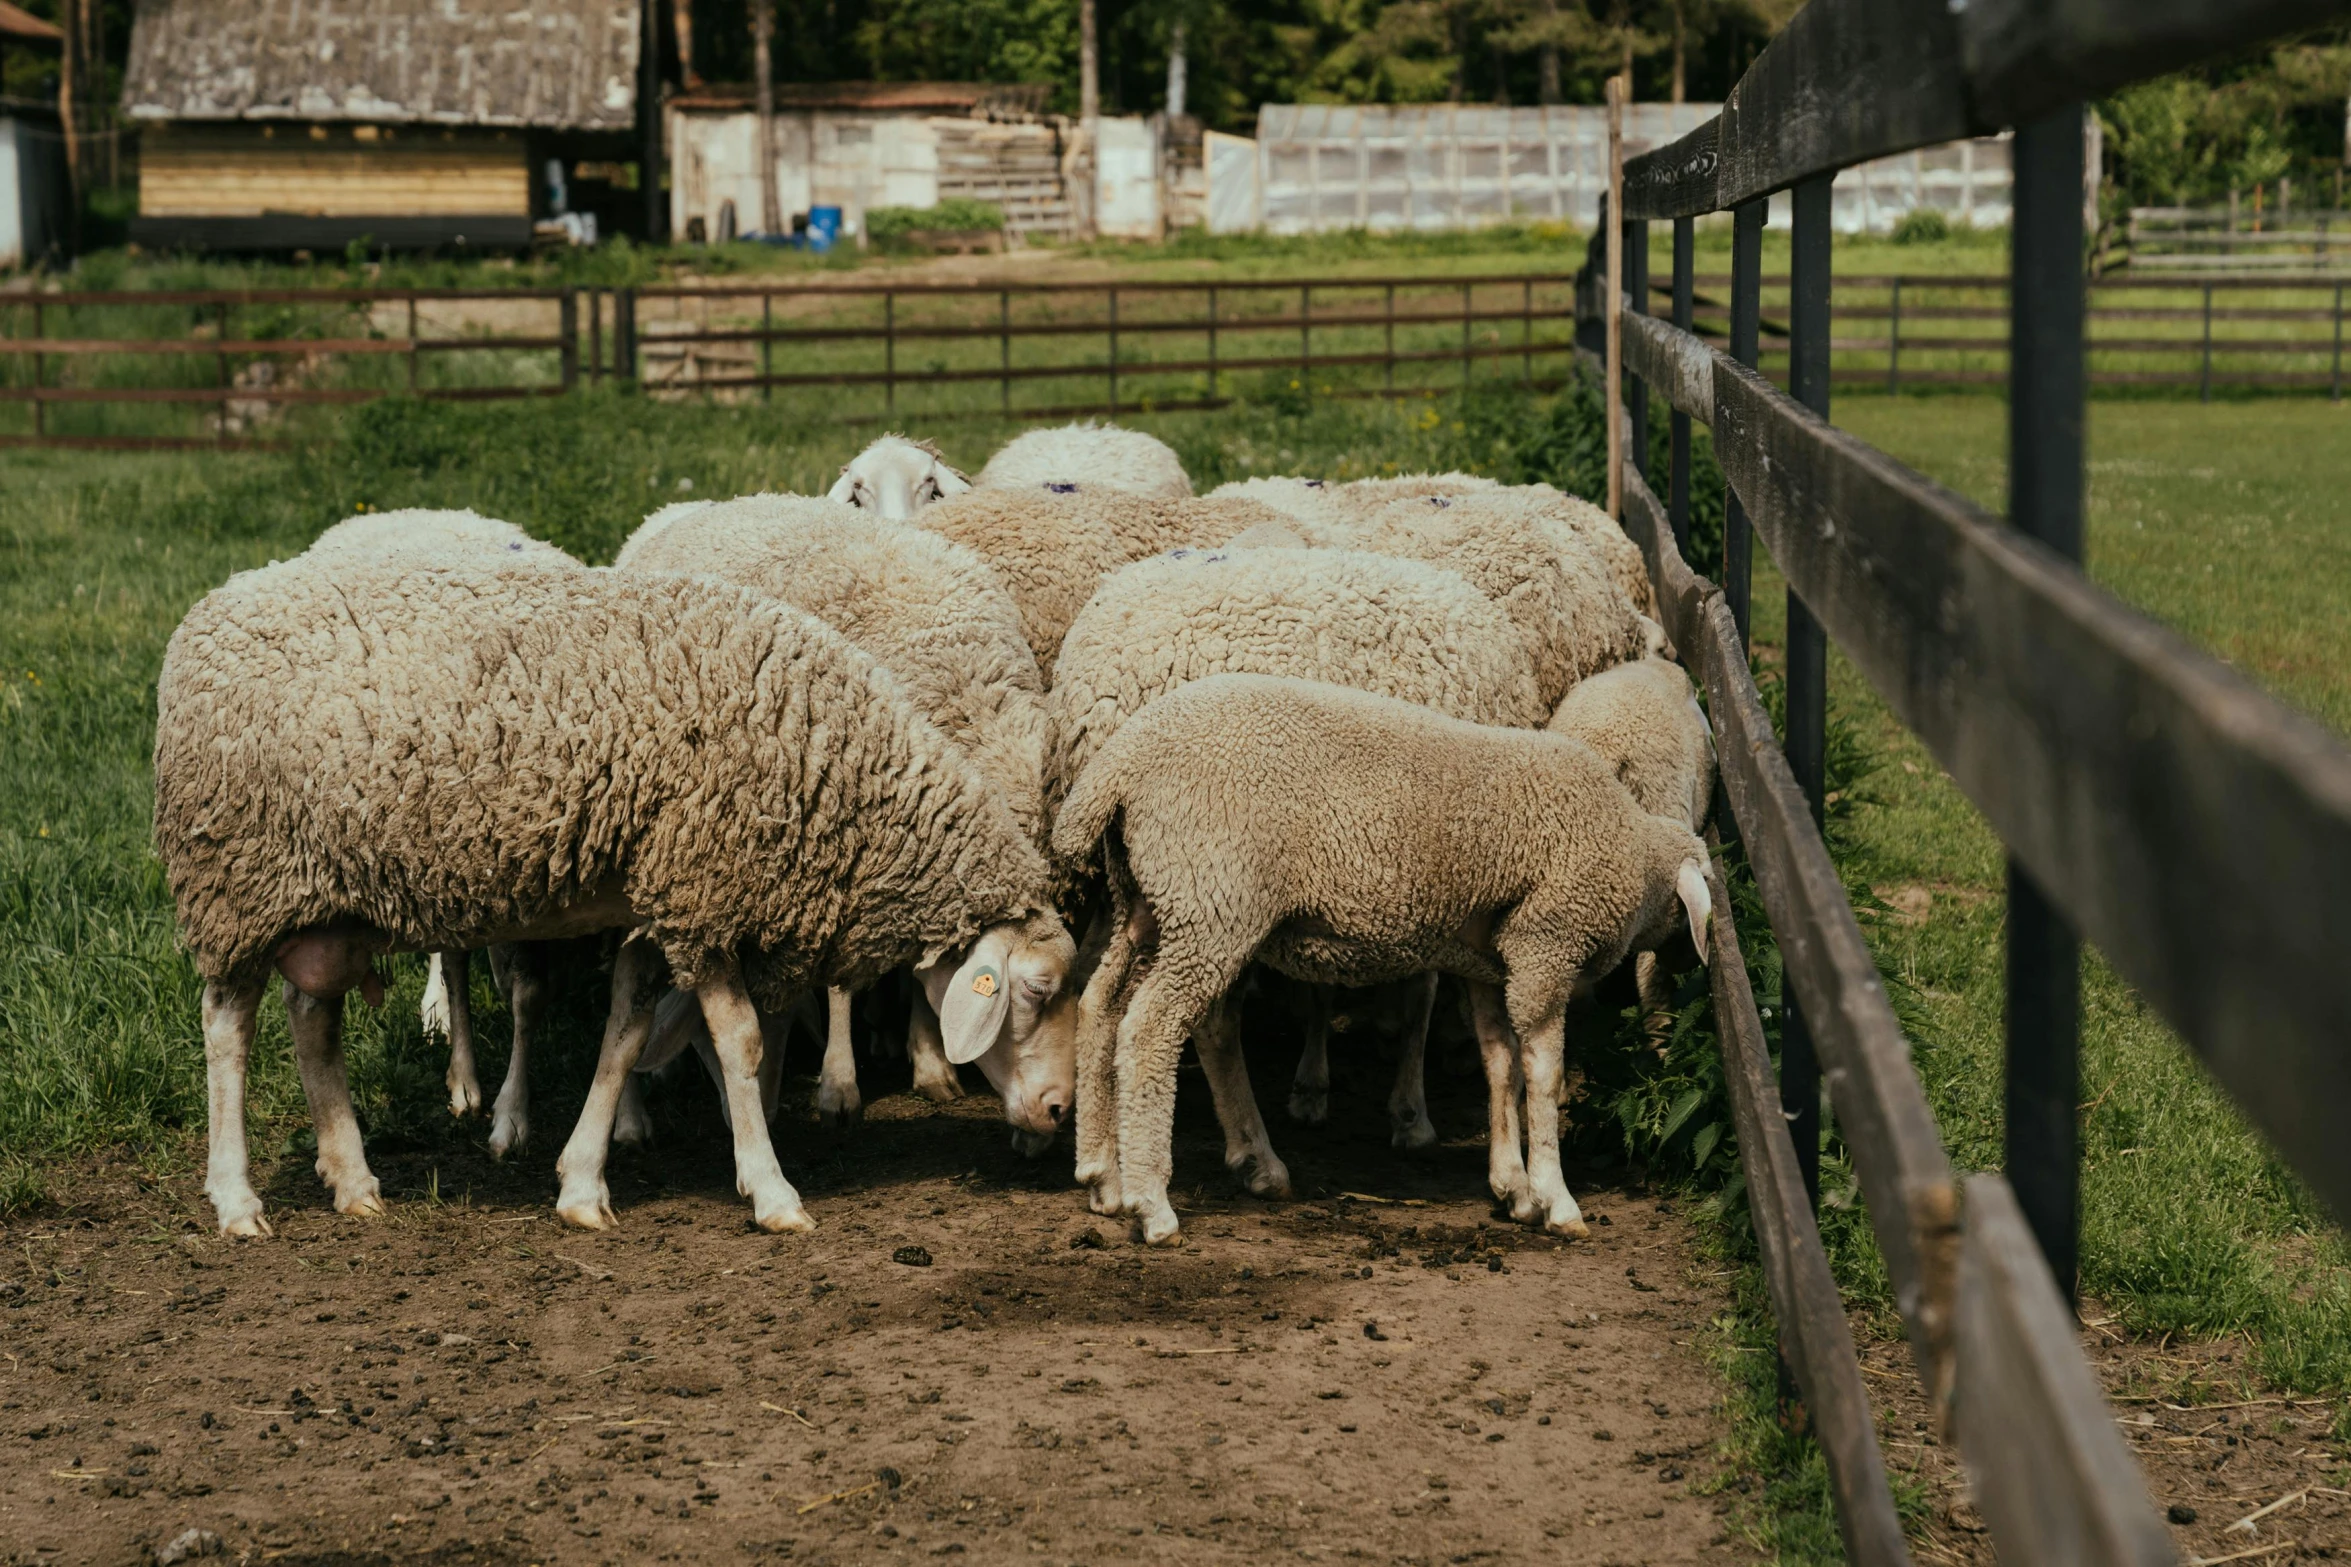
(556, 64)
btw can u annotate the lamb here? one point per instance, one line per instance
(1344, 837)
(1052, 547)
(1377, 623)
(897, 476)
(1098, 455)
(352, 760)
(432, 538)
(935, 616)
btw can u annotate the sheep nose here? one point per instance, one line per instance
(1056, 1105)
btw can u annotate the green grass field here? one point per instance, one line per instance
(2223, 520)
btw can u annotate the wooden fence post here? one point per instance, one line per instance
(2336, 391)
(1465, 303)
(1391, 348)
(1677, 504)
(2204, 381)
(1636, 390)
(596, 337)
(1114, 350)
(220, 419)
(1526, 329)
(1004, 345)
(1613, 303)
(1894, 341)
(624, 333)
(567, 312)
(40, 367)
(2045, 468)
(890, 350)
(413, 356)
(1738, 541)
(1212, 342)
(1305, 348)
(767, 326)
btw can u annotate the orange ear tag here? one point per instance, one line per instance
(984, 982)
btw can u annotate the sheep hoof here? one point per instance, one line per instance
(1103, 1197)
(509, 1131)
(1574, 1229)
(790, 1219)
(630, 1128)
(1310, 1107)
(938, 1087)
(1270, 1178)
(244, 1220)
(593, 1212)
(1161, 1229)
(361, 1199)
(1413, 1135)
(838, 1106)
(465, 1096)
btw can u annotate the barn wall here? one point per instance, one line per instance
(249, 170)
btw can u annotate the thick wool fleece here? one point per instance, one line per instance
(1574, 621)
(1645, 720)
(1326, 501)
(1566, 516)
(422, 536)
(1371, 622)
(932, 612)
(1345, 838)
(1089, 454)
(747, 780)
(1052, 548)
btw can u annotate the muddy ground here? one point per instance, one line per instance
(960, 1362)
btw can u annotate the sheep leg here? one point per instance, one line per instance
(317, 1026)
(1310, 1090)
(1248, 1150)
(1542, 1030)
(228, 1035)
(584, 1201)
(1654, 981)
(1506, 1174)
(521, 971)
(735, 1035)
(934, 1074)
(448, 1003)
(837, 1103)
(1099, 1012)
(1408, 1100)
(1170, 1005)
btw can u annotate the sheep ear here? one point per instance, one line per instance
(1697, 902)
(973, 999)
(844, 488)
(952, 481)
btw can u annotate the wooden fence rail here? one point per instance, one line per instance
(2151, 799)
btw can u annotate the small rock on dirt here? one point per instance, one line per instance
(912, 1256)
(2181, 1512)
(186, 1544)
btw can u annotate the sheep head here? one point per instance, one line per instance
(1005, 1005)
(898, 476)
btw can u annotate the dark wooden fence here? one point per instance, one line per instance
(2151, 799)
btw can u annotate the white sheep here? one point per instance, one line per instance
(1393, 626)
(1098, 455)
(354, 759)
(429, 538)
(897, 476)
(1335, 501)
(935, 616)
(1053, 547)
(1342, 837)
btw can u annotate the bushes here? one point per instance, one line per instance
(890, 225)
(1922, 226)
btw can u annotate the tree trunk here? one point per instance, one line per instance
(763, 27)
(683, 11)
(1089, 117)
(72, 89)
(1547, 60)
(1680, 31)
(1176, 70)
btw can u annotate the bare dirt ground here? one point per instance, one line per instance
(960, 1362)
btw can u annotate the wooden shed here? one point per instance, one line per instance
(269, 125)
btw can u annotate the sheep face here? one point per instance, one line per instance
(1002, 1007)
(896, 477)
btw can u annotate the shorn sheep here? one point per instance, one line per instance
(1099, 456)
(1377, 623)
(353, 760)
(897, 476)
(1348, 838)
(1052, 547)
(428, 538)
(934, 615)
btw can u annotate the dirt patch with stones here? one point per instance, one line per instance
(961, 1361)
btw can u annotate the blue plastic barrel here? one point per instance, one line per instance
(824, 227)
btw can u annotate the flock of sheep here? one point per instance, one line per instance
(1364, 734)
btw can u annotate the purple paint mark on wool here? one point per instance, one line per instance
(1062, 489)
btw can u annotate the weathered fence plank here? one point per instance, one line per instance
(2052, 1476)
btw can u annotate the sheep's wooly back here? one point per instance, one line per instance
(1567, 516)
(1373, 623)
(1088, 454)
(421, 536)
(1570, 612)
(1299, 500)
(931, 611)
(1645, 719)
(1363, 497)
(443, 754)
(1052, 548)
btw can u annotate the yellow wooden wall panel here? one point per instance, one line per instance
(219, 176)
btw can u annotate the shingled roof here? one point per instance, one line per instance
(569, 64)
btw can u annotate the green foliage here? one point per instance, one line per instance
(885, 225)
(2189, 139)
(1922, 226)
